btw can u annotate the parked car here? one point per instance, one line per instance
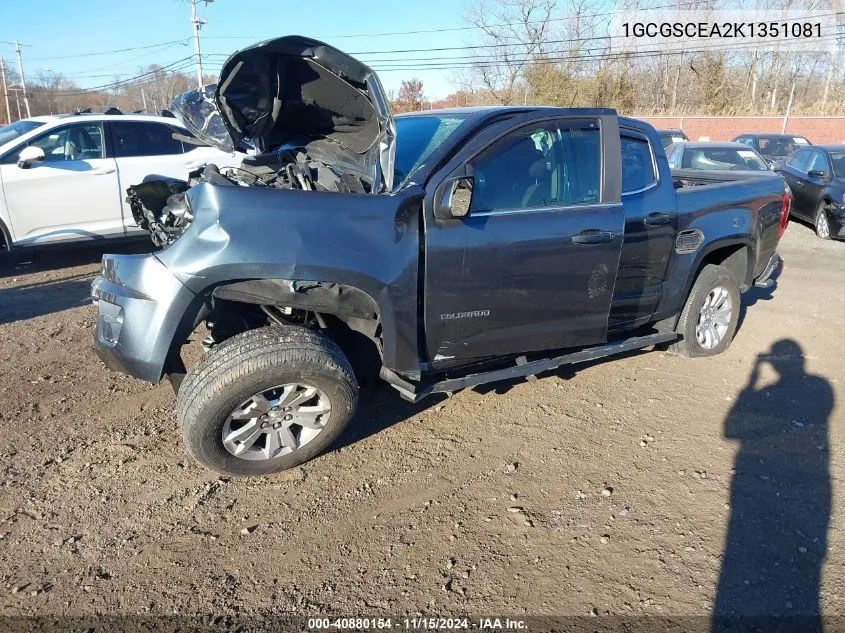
(711, 156)
(507, 241)
(64, 177)
(773, 147)
(816, 175)
(667, 137)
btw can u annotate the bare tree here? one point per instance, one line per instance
(515, 33)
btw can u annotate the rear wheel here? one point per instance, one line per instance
(709, 319)
(821, 225)
(266, 400)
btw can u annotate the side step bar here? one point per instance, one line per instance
(414, 393)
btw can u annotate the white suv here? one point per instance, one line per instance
(64, 178)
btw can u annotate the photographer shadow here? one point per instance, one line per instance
(780, 500)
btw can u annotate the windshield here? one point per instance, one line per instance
(723, 158)
(780, 145)
(16, 129)
(416, 139)
(838, 161)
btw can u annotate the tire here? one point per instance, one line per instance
(250, 371)
(714, 286)
(820, 223)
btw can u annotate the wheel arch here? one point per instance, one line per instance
(737, 256)
(6, 236)
(736, 251)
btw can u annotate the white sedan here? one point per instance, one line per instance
(64, 178)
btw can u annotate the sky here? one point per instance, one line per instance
(62, 35)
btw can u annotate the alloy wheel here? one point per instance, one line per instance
(276, 421)
(714, 318)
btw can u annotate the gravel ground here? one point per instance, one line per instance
(649, 485)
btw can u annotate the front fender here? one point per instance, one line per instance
(364, 241)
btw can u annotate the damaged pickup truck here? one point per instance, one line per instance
(437, 251)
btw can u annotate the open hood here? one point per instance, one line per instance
(297, 92)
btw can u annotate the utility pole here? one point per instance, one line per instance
(144, 99)
(197, 23)
(17, 101)
(17, 46)
(5, 90)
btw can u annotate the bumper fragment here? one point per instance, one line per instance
(140, 304)
(836, 222)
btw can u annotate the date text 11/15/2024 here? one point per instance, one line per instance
(418, 623)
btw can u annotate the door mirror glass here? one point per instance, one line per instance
(816, 173)
(455, 198)
(29, 156)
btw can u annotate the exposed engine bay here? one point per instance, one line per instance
(161, 208)
(305, 115)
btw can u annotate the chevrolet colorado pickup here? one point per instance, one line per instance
(437, 251)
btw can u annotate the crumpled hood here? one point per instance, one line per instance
(295, 91)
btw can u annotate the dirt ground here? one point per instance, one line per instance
(649, 485)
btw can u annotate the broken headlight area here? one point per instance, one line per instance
(161, 207)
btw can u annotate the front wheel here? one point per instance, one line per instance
(821, 224)
(266, 400)
(709, 319)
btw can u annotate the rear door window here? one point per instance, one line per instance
(637, 163)
(140, 138)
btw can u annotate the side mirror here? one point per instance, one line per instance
(29, 156)
(816, 173)
(454, 198)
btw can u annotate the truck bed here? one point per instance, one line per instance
(731, 195)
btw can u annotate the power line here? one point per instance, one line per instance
(185, 63)
(124, 64)
(485, 63)
(510, 44)
(674, 5)
(494, 58)
(119, 50)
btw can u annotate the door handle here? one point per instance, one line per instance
(593, 236)
(657, 219)
(102, 171)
